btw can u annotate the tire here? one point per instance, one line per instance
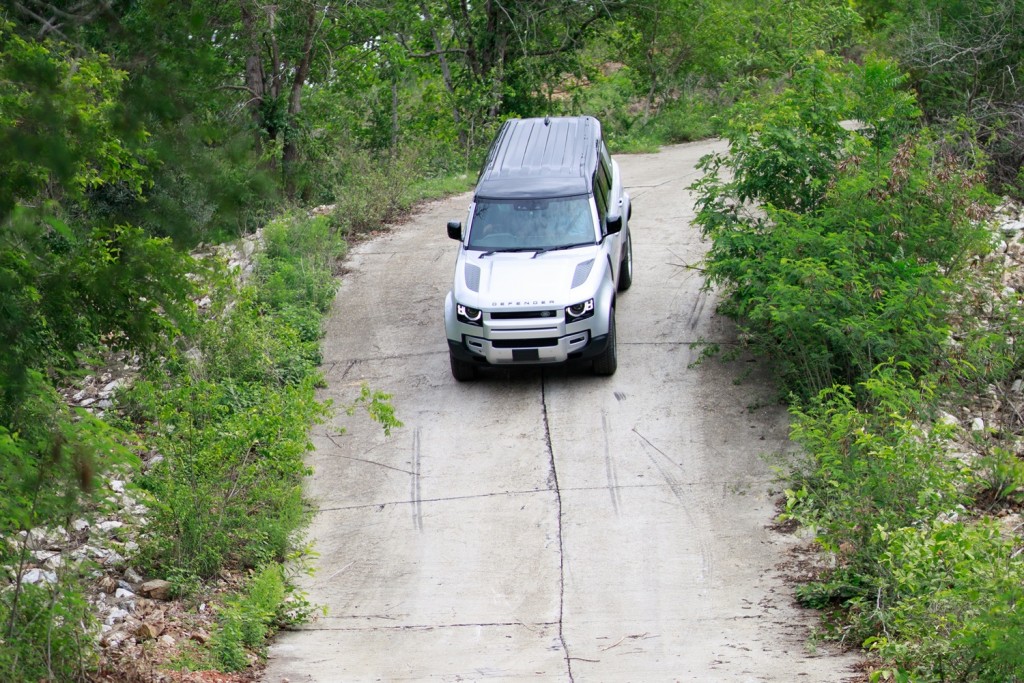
(626, 267)
(462, 371)
(606, 364)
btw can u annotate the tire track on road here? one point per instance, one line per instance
(676, 487)
(609, 466)
(416, 498)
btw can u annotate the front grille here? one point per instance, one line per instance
(522, 315)
(523, 343)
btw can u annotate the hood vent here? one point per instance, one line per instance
(473, 277)
(582, 273)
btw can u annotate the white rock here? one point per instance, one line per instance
(49, 559)
(33, 576)
(977, 425)
(123, 594)
(113, 559)
(116, 615)
(110, 387)
(109, 526)
(80, 525)
(117, 485)
(87, 402)
(1016, 386)
(946, 418)
(1012, 226)
(41, 538)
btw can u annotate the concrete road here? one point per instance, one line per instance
(549, 525)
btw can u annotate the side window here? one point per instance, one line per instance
(601, 198)
(605, 158)
(602, 188)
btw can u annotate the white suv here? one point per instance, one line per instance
(545, 250)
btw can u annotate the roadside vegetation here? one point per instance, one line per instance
(133, 136)
(867, 266)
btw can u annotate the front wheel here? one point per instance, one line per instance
(626, 267)
(462, 371)
(608, 361)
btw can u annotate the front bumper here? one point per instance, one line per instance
(578, 346)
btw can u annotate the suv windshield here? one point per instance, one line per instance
(532, 224)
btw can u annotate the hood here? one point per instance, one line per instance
(514, 280)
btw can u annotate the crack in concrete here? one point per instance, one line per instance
(553, 479)
(348, 369)
(445, 499)
(702, 485)
(661, 452)
(428, 627)
(395, 356)
(331, 438)
(678, 342)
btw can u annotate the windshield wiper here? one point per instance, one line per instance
(513, 250)
(560, 247)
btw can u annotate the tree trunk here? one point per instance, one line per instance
(255, 79)
(394, 117)
(290, 154)
(446, 71)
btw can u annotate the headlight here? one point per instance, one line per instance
(579, 311)
(470, 316)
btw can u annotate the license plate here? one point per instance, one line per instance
(525, 354)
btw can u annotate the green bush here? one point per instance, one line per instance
(231, 417)
(229, 490)
(375, 190)
(247, 620)
(999, 477)
(836, 250)
(257, 344)
(783, 149)
(870, 468)
(693, 116)
(47, 634)
(946, 607)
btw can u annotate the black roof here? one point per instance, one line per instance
(548, 157)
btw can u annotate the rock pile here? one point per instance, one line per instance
(141, 622)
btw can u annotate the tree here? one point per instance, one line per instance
(495, 55)
(967, 60)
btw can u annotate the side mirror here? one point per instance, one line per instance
(614, 223)
(455, 230)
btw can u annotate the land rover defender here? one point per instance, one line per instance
(545, 249)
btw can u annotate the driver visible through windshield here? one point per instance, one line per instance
(532, 224)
